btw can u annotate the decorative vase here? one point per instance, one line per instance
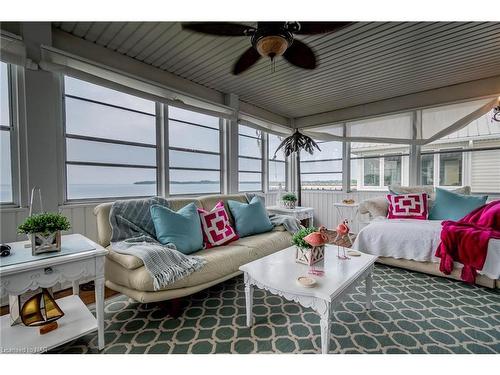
(289, 204)
(41, 243)
(309, 256)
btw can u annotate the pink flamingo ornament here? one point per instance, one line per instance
(342, 231)
(318, 238)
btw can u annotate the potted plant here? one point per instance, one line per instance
(306, 253)
(289, 200)
(44, 231)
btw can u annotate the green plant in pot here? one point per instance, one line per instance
(306, 253)
(298, 237)
(289, 200)
(44, 231)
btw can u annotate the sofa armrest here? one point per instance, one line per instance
(374, 207)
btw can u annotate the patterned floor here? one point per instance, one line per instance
(413, 313)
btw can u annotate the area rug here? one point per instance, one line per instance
(412, 313)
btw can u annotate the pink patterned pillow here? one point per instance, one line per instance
(215, 227)
(408, 206)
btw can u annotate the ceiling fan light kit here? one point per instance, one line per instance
(270, 39)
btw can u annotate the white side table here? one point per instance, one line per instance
(300, 213)
(20, 272)
(349, 212)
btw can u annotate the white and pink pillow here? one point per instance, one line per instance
(408, 206)
(217, 230)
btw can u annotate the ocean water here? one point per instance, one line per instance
(84, 191)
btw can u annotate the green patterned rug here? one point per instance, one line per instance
(412, 313)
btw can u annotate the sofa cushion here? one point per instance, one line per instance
(208, 202)
(129, 262)
(452, 206)
(250, 218)
(215, 226)
(181, 228)
(408, 206)
(221, 261)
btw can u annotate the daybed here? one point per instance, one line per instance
(126, 273)
(411, 244)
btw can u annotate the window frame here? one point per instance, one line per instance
(262, 159)
(167, 168)
(13, 128)
(324, 172)
(269, 160)
(65, 135)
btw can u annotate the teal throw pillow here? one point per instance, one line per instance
(453, 206)
(181, 228)
(250, 218)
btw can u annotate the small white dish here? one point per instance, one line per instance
(306, 282)
(353, 253)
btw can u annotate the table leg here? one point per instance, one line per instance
(76, 287)
(325, 324)
(369, 286)
(99, 302)
(249, 303)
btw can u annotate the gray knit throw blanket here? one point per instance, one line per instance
(133, 233)
(290, 223)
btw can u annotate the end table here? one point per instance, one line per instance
(300, 213)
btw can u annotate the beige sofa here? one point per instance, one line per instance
(126, 273)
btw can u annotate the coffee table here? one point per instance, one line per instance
(277, 273)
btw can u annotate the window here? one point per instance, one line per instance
(323, 169)
(249, 159)
(110, 143)
(6, 127)
(276, 165)
(468, 156)
(194, 152)
(377, 165)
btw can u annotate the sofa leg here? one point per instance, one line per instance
(172, 308)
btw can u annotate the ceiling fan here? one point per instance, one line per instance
(270, 39)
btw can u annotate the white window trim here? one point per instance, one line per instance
(264, 166)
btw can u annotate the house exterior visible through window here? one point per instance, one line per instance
(250, 151)
(374, 166)
(111, 143)
(323, 169)
(6, 136)
(194, 152)
(276, 165)
(469, 156)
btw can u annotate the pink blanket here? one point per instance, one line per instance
(466, 241)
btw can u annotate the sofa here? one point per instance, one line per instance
(126, 273)
(411, 244)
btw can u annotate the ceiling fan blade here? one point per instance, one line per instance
(249, 57)
(301, 55)
(219, 28)
(310, 28)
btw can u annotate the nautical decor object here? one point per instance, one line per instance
(42, 311)
(342, 231)
(496, 113)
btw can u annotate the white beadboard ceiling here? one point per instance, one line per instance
(363, 63)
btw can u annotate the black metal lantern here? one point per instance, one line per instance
(496, 113)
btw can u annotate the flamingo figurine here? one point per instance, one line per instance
(342, 231)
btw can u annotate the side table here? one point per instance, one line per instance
(79, 258)
(300, 213)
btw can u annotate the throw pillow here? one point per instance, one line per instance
(181, 228)
(215, 227)
(250, 218)
(450, 205)
(408, 206)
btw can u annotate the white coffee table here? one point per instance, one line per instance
(278, 273)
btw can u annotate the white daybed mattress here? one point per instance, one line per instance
(415, 240)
